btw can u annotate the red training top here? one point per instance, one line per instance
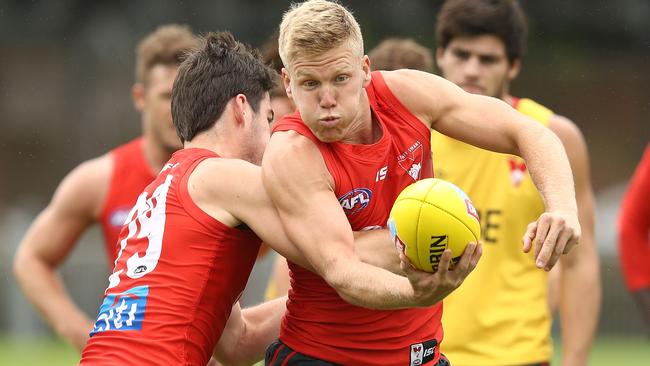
(367, 180)
(178, 273)
(634, 227)
(131, 174)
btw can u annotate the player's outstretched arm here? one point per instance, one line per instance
(49, 240)
(491, 124)
(580, 276)
(249, 331)
(298, 183)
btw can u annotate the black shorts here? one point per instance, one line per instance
(279, 354)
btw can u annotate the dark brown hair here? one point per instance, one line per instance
(222, 68)
(400, 53)
(167, 45)
(502, 18)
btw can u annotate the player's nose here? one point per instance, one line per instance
(471, 67)
(327, 98)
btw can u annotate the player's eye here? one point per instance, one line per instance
(461, 54)
(341, 78)
(310, 84)
(488, 60)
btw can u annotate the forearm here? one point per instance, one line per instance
(579, 308)
(249, 332)
(368, 286)
(549, 168)
(262, 327)
(377, 248)
(45, 290)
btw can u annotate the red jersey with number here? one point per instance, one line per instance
(178, 273)
(634, 228)
(131, 174)
(367, 180)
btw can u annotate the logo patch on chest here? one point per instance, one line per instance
(517, 171)
(355, 200)
(411, 160)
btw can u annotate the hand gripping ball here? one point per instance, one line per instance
(429, 216)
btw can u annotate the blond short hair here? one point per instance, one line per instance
(401, 53)
(167, 45)
(317, 26)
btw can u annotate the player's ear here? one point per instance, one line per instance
(513, 70)
(439, 55)
(365, 66)
(137, 95)
(286, 82)
(239, 103)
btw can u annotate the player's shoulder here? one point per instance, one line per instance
(217, 175)
(93, 173)
(402, 80)
(564, 128)
(84, 188)
(422, 93)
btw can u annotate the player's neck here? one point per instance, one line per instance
(508, 99)
(155, 154)
(209, 140)
(363, 130)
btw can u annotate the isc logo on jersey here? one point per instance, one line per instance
(355, 200)
(422, 353)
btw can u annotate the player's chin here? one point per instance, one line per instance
(329, 135)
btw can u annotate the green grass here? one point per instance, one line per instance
(40, 351)
(607, 351)
(616, 350)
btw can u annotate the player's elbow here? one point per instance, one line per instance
(21, 264)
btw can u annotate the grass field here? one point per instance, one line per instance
(607, 351)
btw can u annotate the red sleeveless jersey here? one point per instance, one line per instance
(131, 174)
(178, 273)
(367, 180)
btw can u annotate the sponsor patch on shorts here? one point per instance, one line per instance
(422, 353)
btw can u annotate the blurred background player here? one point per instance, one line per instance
(634, 237)
(500, 316)
(400, 53)
(104, 189)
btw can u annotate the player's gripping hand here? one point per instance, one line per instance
(430, 288)
(554, 234)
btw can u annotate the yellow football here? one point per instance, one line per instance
(430, 216)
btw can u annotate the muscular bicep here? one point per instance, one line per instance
(74, 206)
(255, 209)
(482, 121)
(298, 183)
